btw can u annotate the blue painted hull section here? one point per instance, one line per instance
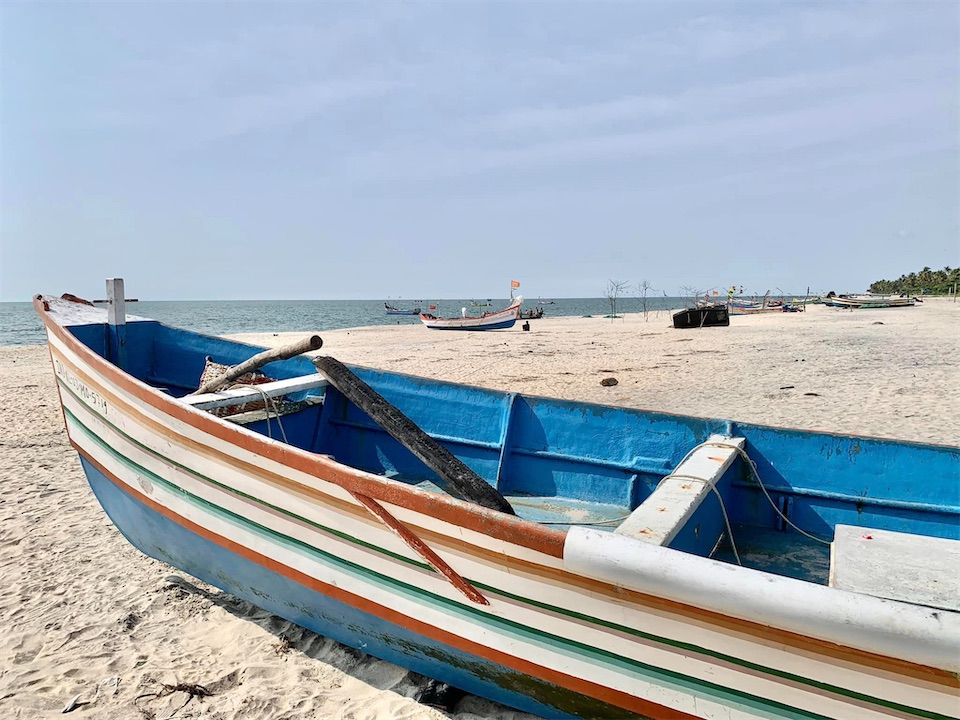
(589, 452)
(495, 326)
(165, 540)
(544, 448)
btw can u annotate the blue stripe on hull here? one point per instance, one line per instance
(496, 326)
(165, 540)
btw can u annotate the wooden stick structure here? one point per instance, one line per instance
(259, 360)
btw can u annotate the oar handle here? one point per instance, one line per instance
(453, 475)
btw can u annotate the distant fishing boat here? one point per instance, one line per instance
(757, 309)
(477, 303)
(746, 306)
(391, 310)
(742, 303)
(866, 302)
(753, 306)
(500, 320)
(564, 558)
(754, 311)
(546, 302)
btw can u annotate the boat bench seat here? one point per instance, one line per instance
(911, 568)
(663, 515)
(250, 393)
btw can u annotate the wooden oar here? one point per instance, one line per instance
(259, 360)
(455, 477)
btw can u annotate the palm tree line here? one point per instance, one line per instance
(932, 282)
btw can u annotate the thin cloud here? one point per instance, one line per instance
(842, 119)
(715, 100)
(208, 119)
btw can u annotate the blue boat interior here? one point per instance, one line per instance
(563, 463)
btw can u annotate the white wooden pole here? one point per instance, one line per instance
(117, 320)
(116, 312)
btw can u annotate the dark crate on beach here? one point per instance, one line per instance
(709, 316)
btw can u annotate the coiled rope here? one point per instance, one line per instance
(268, 404)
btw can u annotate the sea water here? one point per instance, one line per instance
(19, 324)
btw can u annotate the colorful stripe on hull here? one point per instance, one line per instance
(495, 326)
(157, 544)
(167, 541)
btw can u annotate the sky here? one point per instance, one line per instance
(321, 150)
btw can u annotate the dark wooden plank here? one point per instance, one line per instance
(455, 477)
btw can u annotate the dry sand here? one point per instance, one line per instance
(84, 613)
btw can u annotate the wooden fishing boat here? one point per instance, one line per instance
(755, 310)
(499, 320)
(391, 310)
(586, 561)
(866, 302)
(744, 306)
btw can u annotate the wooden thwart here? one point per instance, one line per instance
(659, 518)
(259, 360)
(250, 393)
(898, 566)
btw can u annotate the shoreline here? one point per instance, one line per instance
(88, 614)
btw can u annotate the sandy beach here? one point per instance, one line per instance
(86, 614)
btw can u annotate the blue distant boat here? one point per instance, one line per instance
(563, 558)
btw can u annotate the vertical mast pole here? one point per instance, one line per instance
(117, 321)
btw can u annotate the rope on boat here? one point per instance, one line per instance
(756, 475)
(573, 522)
(268, 403)
(753, 471)
(716, 492)
(710, 484)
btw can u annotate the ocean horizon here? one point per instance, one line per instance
(19, 324)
